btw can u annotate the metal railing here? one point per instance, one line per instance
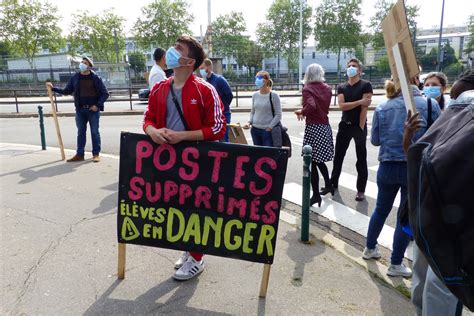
(121, 94)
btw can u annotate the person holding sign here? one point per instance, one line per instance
(184, 108)
(387, 132)
(90, 94)
(354, 98)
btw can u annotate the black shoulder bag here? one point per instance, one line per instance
(178, 107)
(282, 136)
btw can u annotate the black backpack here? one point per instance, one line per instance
(441, 199)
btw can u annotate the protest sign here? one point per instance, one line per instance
(401, 55)
(209, 197)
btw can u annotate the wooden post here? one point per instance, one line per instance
(402, 76)
(121, 261)
(56, 123)
(265, 279)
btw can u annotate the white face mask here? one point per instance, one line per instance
(352, 71)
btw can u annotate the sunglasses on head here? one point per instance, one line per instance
(259, 77)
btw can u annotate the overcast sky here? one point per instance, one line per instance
(456, 12)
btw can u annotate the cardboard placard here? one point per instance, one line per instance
(236, 134)
(396, 33)
(208, 197)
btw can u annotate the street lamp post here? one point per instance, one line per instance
(438, 66)
(300, 59)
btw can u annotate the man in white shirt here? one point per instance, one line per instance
(156, 73)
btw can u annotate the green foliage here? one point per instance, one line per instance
(337, 26)
(470, 45)
(383, 8)
(28, 26)
(230, 75)
(137, 62)
(383, 66)
(430, 60)
(251, 56)
(453, 70)
(281, 31)
(227, 38)
(5, 52)
(94, 35)
(162, 22)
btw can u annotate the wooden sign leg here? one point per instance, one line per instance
(56, 123)
(265, 279)
(121, 261)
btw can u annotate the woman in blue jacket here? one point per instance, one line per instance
(387, 132)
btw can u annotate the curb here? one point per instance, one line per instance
(137, 112)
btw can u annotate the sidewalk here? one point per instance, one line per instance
(59, 256)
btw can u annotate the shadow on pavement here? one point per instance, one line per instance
(30, 175)
(147, 303)
(109, 202)
(301, 254)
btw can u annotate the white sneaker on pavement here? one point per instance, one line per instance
(371, 253)
(399, 270)
(190, 269)
(178, 264)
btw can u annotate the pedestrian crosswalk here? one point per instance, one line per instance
(342, 215)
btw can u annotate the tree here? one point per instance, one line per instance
(99, 35)
(162, 23)
(430, 60)
(383, 7)
(383, 66)
(282, 30)
(227, 38)
(337, 27)
(29, 26)
(5, 53)
(251, 56)
(137, 62)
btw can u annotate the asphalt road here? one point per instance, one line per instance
(26, 131)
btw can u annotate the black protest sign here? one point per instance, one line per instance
(209, 197)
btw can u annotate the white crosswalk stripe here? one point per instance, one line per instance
(349, 181)
(343, 215)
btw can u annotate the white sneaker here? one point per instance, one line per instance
(399, 270)
(371, 253)
(190, 269)
(178, 264)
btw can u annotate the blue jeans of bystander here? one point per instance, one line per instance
(84, 116)
(391, 176)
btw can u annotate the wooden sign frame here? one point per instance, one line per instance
(401, 55)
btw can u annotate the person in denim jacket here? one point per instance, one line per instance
(387, 132)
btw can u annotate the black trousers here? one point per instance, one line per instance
(345, 133)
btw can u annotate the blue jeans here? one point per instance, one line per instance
(261, 137)
(226, 136)
(391, 176)
(82, 117)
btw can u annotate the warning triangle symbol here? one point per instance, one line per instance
(129, 230)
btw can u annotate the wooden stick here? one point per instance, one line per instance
(56, 123)
(121, 261)
(265, 279)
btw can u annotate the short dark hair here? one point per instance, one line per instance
(196, 51)
(466, 82)
(355, 60)
(158, 54)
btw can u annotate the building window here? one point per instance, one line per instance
(314, 55)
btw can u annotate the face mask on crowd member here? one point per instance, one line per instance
(203, 72)
(352, 71)
(432, 91)
(172, 58)
(259, 81)
(83, 67)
